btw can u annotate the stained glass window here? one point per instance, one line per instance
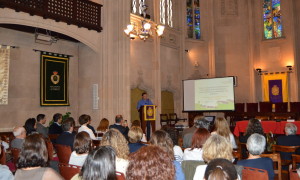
(166, 12)
(133, 6)
(272, 19)
(193, 19)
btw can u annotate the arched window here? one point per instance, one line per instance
(166, 12)
(136, 6)
(193, 19)
(272, 19)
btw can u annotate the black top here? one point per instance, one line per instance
(66, 138)
(55, 129)
(122, 129)
(290, 140)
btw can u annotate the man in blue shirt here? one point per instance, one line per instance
(143, 101)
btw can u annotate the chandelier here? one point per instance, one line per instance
(144, 29)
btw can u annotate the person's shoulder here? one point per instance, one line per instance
(51, 175)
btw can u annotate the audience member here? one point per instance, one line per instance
(187, 134)
(150, 162)
(30, 126)
(5, 172)
(67, 137)
(135, 135)
(198, 140)
(222, 128)
(254, 126)
(173, 133)
(83, 121)
(137, 123)
(163, 140)
(32, 164)
(220, 169)
(216, 146)
(90, 126)
(115, 139)
(120, 126)
(40, 128)
(290, 139)
(20, 135)
(103, 126)
(55, 127)
(256, 144)
(82, 146)
(99, 164)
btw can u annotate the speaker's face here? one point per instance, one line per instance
(145, 96)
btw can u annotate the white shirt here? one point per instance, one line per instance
(88, 130)
(232, 140)
(121, 165)
(195, 154)
(77, 159)
(178, 154)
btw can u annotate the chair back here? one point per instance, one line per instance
(67, 171)
(2, 156)
(63, 153)
(120, 176)
(164, 119)
(189, 168)
(239, 107)
(277, 163)
(53, 137)
(237, 154)
(249, 173)
(295, 160)
(286, 149)
(173, 119)
(50, 149)
(15, 154)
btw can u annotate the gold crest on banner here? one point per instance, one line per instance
(55, 77)
(275, 90)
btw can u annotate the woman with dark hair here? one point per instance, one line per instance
(82, 146)
(99, 165)
(30, 126)
(163, 140)
(32, 164)
(84, 121)
(195, 151)
(220, 169)
(150, 162)
(254, 126)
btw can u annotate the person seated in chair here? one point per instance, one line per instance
(20, 134)
(40, 128)
(120, 126)
(56, 128)
(67, 137)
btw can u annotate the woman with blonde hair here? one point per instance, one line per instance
(116, 139)
(135, 136)
(103, 125)
(222, 128)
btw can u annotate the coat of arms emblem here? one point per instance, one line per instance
(55, 77)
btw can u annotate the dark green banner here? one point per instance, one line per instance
(54, 79)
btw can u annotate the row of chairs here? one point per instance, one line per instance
(170, 119)
(267, 107)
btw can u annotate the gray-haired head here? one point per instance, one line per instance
(201, 122)
(18, 131)
(256, 144)
(290, 129)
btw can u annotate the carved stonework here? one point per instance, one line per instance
(141, 85)
(229, 7)
(4, 73)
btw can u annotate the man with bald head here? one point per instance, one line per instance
(120, 125)
(20, 134)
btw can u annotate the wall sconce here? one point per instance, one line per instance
(259, 70)
(290, 69)
(186, 50)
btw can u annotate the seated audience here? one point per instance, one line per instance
(150, 162)
(32, 164)
(30, 126)
(55, 127)
(187, 134)
(115, 139)
(120, 126)
(163, 140)
(99, 164)
(254, 126)
(216, 146)
(90, 126)
(178, 153)
(103, 126)
(20, 134)
(256, 144)
(67, 137)
(222, 128)
(5, 172)
(195, 151)
(137, 123)
(82, 146)
(83, 121)
(135, 135)
(220, 169)
(40, 128)
(290, 139)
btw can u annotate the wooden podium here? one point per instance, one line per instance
(148, 117)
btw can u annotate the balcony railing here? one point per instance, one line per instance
(82, 13)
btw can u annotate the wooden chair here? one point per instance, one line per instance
(15, 154)
(252, 107)
(277, 163)
(50, 149)
(281, 107)
(294, 175)
(295, 161)
(239, 107)
(265, 106)
(164, 119)
(53, 137)
(63, 153)
(67, 171)
(120, 176)
(173, 116)
(250, 173)
(237, 154)
(2, 156)
(287, 149)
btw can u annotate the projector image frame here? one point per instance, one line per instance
(209, 94)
